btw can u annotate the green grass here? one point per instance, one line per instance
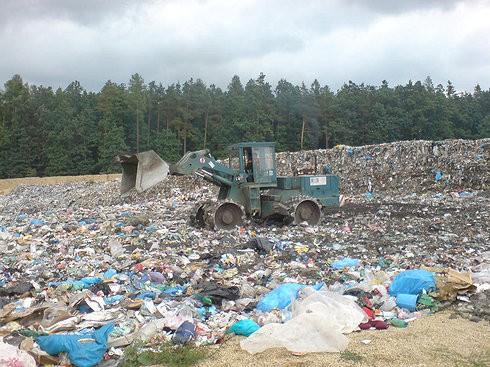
(459, 360)
(351, 356)
(165, 354)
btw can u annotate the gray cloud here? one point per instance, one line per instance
(83, 11)
(55, 42)
(402, 6)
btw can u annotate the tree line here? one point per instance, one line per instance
(74, 131)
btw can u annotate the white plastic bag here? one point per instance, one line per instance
(13, 356)
(343, 313)
(306, 333)
(319, 321)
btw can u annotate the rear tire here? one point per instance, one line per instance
(307, 211)
(227, 216)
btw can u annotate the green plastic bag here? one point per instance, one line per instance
(244, 327)
(398, 323)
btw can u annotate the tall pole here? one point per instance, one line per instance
(205, 128)
(137, 128)
(303, 132)
(149, 126)
(326, 137)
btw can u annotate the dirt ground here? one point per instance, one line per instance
(7, 185)
(437, 340)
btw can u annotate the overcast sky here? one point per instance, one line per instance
(54, 42)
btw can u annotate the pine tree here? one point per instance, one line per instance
(112, 144)
(17, 150)
(138, 105)
(166, 145)
(72, 131)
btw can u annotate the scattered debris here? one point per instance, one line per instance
(78, 257)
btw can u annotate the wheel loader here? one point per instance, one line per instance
(248, 185)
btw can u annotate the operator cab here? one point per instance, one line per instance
(257, 162)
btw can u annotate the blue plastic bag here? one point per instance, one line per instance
(244, 327)
(78, 284)
(110, 300)
(37, 222)
(148, 294)
(413, 282)
(88, 281)
(346, 262)
(439, 176)
(175, 291)
(81, 354)
(282, 296)
(407, 301)
(110, 273)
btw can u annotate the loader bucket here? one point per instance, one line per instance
(142, 171)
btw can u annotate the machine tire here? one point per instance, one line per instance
(218, 215)
(228, 215)
(305, 209)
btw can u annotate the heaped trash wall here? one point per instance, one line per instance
(406, 166)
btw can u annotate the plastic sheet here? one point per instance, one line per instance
(318, 323)
(307, 333)
(343, 313)
(83, 349)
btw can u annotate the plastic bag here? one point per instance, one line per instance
(407, 301)
(307, 333)
(413, 282)
(149, 330)
(13, 356)
(483, 275)
(318, 323)
(244, 327)
(110, 273)
(282, 296)
(175, 318)
(346, 262)
(185, 333)
(84, 349)
(156, 277)
(343, 313)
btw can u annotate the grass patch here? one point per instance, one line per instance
(165, 354)
(351, 356)
(459, 360)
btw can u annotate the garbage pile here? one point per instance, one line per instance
(396, 167)
(85, 273)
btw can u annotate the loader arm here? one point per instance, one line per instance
(203, 164)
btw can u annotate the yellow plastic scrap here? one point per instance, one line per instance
(451, 283)
(301, 249)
